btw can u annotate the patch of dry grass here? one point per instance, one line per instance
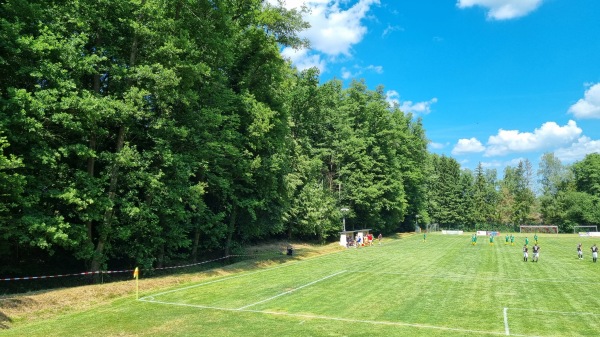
(47, 304)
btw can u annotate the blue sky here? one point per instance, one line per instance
(495, 81)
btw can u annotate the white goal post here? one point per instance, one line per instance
(590, 228)
(538, 229)
(433, 227)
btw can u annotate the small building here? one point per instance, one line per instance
(345, 235)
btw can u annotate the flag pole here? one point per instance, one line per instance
(136, 273)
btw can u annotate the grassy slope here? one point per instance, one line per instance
(443, 287)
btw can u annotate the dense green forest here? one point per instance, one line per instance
(149, 132)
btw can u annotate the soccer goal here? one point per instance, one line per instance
(433, 227)
(538, 229)
(577, 229)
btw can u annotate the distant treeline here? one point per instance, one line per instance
(150, 132)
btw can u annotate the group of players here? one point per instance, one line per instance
(535, 248)
(594, 250)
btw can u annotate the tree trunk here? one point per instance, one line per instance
(90, 170)
(98, 257)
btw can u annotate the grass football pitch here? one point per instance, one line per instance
(443, 286)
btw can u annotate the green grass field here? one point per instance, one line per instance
(405, 287)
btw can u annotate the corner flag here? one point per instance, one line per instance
(136, 274)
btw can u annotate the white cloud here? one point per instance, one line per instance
(437, 146)
(589, 105)
(503, 9)
(303, 58)
(577, 151)
(389, 29)
(418, 107)
(548, 136)
(491, 164)
(393, 98)
(471, 145)
(377, 69)
(347, 74)
(334, 29)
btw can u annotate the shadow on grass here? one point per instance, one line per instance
(11, 303)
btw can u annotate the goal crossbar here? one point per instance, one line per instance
(590, 228)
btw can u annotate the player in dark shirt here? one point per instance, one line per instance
(536, 253)
(525, 254)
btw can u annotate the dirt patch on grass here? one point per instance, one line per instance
(17, 309)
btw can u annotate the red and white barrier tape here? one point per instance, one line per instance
(105, 271)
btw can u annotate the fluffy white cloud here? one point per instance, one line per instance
(503, 9)
(471, 145)
(303, 58)
(577, 151)
(393, 98)
(418, 107)
(548, 136)
(334, 29)
(589, 105)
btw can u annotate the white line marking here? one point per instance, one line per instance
(291, 291)
(340, 319)
(506, 322)
(238, 275)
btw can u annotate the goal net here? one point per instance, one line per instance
(577, 229)
(538, 229)
(433, 227)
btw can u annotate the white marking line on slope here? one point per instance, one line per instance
(498, 279)
(291, 291)
(237, 276)
(506, 329)
(340, 319)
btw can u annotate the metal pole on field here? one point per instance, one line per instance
(344, 210)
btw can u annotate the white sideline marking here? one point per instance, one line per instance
(291, 291)
(506, 322)
(340, 319)
(237, 276)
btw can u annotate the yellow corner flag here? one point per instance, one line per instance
(136, 274)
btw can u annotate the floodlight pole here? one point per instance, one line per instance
(344, 210)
